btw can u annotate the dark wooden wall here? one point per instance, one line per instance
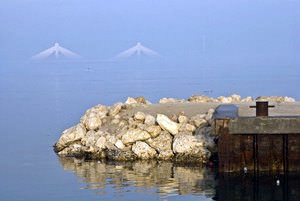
(236, 152)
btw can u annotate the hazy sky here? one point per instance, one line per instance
(209, 31)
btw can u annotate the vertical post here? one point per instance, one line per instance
(255, 153)
(262, 108)
(285, 159)
(256, 170)
(285, 156)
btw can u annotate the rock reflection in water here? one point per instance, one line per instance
(168, 178)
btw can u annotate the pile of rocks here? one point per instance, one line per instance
(229, 99)
(114, 133)
(125, 131)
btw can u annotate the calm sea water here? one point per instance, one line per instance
(39, 100)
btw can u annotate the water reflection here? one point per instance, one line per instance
(166, 179)
(264, 187)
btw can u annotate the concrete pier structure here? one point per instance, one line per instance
(248, 141)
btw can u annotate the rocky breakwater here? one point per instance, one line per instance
(177, 130)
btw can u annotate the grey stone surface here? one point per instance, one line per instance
(265, 125)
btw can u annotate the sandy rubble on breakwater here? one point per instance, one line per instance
(174, 129)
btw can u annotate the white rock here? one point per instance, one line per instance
(89, 139)
(278, 99)
(186, 128)
(117, 116)
(115, 109)
(70, 135)
(167, 124)
(190, 127)
(182, 127)
(186, 144)
(143, 150)
(131, 121)
(223, 99)
(134, 135)
(289, 99)
(101, 111)
(236, 98)
(170, 100)
(91, 120)
(123, 123)
(101, 143)
(139, 116)
(149, 120)
(130, 101)
(111, 138)
(148, 102)
(200, 99)
(115, 121)
(200, 122)
(163, 145)
(141, 126)
(183, 119)
(141, 100)
(153, 130)
(119, 144)
(247, 99)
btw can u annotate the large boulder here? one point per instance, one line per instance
(163, 145)
(167, 124)
(189, 148)
(140, 116)
(69, 136)
(153, 130)
(119, 144)
(149, 120)
(91, 120)
(131, 101)
(133, 135)
(143, 150)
